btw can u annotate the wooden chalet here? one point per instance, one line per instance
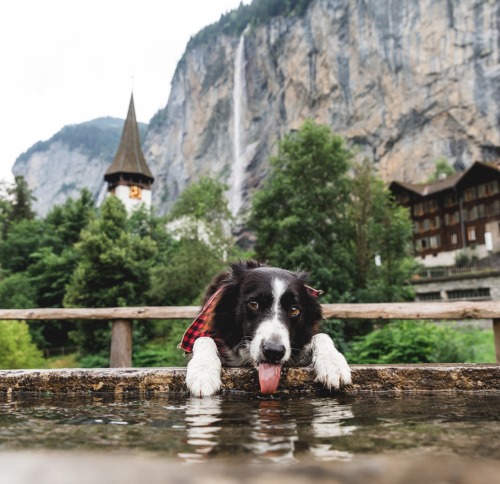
(459, 212)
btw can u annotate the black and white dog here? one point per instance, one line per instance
(263, 317)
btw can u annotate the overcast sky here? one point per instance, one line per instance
(70, 61)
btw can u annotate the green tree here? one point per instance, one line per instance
(201, 212)
(64, 223)
(17, 291)
(52, 264)
(300, 217)
(443, 168)
(191, 266)
(113, 269)
(199, 224)
(16, 348)
(421, 342)
(22, 240)
(15, 203)
(382, 231)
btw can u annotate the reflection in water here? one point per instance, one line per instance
(244, 428)
(275, 433)
(328, 422)
(202, 417)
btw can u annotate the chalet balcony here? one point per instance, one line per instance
(487, 266)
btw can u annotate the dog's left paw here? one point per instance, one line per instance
(203, 375)
(329, 364)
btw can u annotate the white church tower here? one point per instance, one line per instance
(129, 177)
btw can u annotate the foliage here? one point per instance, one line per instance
(418, 342)
(113, 269)
(163, 351)
(300, 216)
(17, 292)
(313, 214)
(256, 13)
(16, 348)
(15, 204)
(23, 239)
(191, 266)
(113, 264)
(443, 167)
(199, 224)
(202, 213)
(96, 138)
(382, 229)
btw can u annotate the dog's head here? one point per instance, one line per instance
(266, 312)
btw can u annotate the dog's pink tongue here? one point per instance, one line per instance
(269, 377)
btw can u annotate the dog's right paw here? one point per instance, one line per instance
(330, 366)
(203, 376)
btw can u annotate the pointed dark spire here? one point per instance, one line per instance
(129, 158)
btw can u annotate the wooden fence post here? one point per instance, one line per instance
(121, 344)
(496, 337)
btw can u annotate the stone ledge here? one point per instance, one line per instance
(366, 378)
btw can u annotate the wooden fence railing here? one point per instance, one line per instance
(121, 333)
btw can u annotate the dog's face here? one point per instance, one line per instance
(267, 313)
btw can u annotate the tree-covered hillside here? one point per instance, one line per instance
(99, 137)
(256, 13)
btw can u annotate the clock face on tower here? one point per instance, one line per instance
(135, 192)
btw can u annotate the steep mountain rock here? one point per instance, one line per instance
(74, 158)
(406, 81)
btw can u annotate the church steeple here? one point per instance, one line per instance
(129, 177)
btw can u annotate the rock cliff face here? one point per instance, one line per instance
(407, 81)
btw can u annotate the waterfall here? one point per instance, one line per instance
(239, 103)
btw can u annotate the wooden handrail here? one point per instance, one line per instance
(122, 329)
(412, 310)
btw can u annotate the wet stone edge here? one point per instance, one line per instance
(365, 378)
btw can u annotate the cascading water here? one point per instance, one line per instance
(239, 103)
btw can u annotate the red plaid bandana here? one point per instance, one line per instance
(202, 325)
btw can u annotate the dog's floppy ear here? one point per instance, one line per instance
(239, 268)
(304, 277)
(224, 311)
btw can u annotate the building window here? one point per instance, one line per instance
(481, 191)
(476, 293)
(435, 241)
(451, 218)
(450, 201)
(421, 244)
(429, 296)
(470, 194)
(435, 222)
(403, 198)
(454, 239)
(471, 233)
(430, 206)
(418, 209)
(492, 187)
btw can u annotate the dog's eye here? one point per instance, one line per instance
(253, 305)
(294, 311)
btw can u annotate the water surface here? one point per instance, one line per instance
(247, 428)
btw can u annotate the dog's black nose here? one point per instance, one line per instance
(273, 352)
